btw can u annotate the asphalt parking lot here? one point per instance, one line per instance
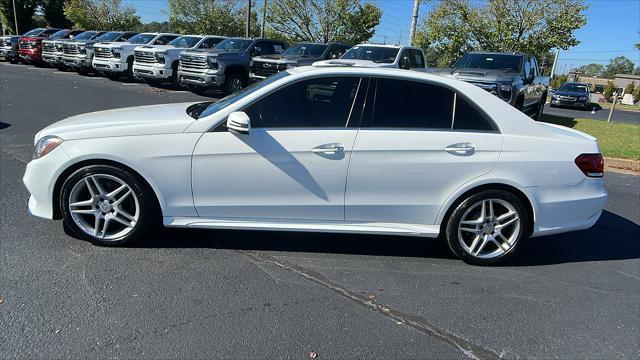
(248, 294)
(596, 113)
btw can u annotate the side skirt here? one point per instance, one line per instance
(431, 231)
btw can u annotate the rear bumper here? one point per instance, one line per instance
(568, 208)
(110, 65)
(205, 78)
(152, 71)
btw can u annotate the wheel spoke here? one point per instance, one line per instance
(117, 191)
(472, 222)
(83, 211)
(97, 185)
(121, 199)
(508, 222)
(92, 191)
(105, 226)
(96, 225)
(491, 213)
(473, 230)
(475, 241)
(505, 216)
(124, 213)
(485, 240)
(82, 203)
(122, 221)
(504, 244)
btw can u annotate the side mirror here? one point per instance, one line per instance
(238, 122)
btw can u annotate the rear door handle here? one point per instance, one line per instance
(328, 148)
(461, 149)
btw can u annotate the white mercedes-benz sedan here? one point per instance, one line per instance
(324, 149)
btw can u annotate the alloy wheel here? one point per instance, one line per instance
(104, 206)
(489, 228)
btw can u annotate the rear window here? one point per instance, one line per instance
(377, 54)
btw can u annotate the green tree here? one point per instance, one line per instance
(53, 11)
(558, 81)
(618, 65)
(101, 14)
(347, 21)
(592, 70)
(455, 27)
(155, 26)
(608, 90)
(25, 9)
(219, 17)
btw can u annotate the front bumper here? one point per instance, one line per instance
(560, 209)
(8, 53)
(52, 58)
(577, 103)
(205, 77)
(79, 62)
(30, 54)
(152, 71)
(40, 177)
(110, 65)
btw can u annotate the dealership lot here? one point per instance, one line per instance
(246, 294)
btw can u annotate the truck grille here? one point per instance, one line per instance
(193, 62)
(70, 49)
(144, 57)
(567, 98)
(103, 53)
(265, 69)
(5, 42)
(48, 47)
(25, 45)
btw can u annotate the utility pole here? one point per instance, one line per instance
(414, 21)
(15, 17)
(555, 61)
(248, 27)
(264, 17)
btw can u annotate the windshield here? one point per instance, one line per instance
(59, 34)
(142, 38)
(85, 35)
(205, 109)
(233, 44)
(574, 87)
(489, 61)
(33, 32)
(185, 41)
(110, 36)
(309, 50)
(376, 54)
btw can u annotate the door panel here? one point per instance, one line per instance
(272, 174)
(404, 176)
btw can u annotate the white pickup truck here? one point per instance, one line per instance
(157, 63)
(381, 56)
(116, 59)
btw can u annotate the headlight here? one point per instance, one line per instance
(160, 57)
(554, 96)
(582, 98)
(82, 49)
(45, 145)
(505, 87)
(59, 46)
(116, 53)
(291, 66)
(213, 62)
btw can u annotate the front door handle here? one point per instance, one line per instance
(329, 148)
(463, 149)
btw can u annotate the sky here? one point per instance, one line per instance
(613, 27)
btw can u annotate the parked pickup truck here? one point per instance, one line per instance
(9, 44)
(30, 47)
(156, 63)
(116, 59)
(382, 56)
(78, 54)
(300, 54)
(226, 66)
(52, 47)
(514, 78)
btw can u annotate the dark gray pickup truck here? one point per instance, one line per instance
(515, 78)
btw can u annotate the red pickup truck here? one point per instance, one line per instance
(30, 47)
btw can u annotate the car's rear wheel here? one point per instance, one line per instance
(487, 227)
(107, 205)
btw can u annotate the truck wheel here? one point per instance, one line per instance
(131, 77)
(82, 71)
(540, 110)
(112, 76)
(175, 80)
(13, 60)
(232, 84)
(519, 104)
(196, 89)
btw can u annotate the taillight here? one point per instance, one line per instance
(591, 165)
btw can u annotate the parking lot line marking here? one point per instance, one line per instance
(132, 84)
(65, 73)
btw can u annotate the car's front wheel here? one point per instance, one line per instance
(487, 227)
(107, 205)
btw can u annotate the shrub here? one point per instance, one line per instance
(608, 90)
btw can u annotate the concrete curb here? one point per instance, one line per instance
(622, 165)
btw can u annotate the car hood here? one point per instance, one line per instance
(570, 93)
(483, 75)
(113, 44)
(157, 48)
(287, 59)
(140, 120)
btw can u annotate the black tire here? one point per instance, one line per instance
(199, 90)
(519, 232)
(131, 76)
(149, 215)
(519, 104)
(231, 84)
(13, 60)
(83, 72)
(112, 76)
(175, 80)
(540, 109)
